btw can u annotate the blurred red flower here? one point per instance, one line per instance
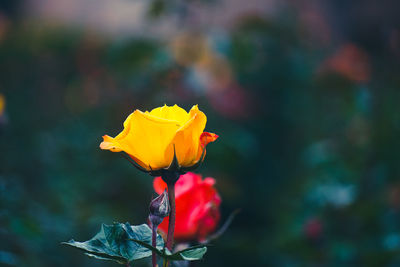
(350, 61)
(197, 207)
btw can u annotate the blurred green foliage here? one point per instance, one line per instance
(308, 144)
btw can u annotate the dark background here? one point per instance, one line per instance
(304, 95)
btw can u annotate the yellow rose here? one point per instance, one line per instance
(150, 138)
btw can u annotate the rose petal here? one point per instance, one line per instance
(197, 207)
(174, 113)
(205, 139)
(144, 137)
(187, 138)
(185, 183)
(159, 185)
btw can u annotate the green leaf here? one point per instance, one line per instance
(159, 251)
(113, 243)
(189, 254)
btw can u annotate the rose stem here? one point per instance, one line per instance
(154, 244)
(171, 225)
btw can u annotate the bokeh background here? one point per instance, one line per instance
(304, 95)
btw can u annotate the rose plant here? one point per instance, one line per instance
(166, 142)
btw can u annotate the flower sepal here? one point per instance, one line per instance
(172, 173)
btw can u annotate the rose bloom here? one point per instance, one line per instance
(197, 207)
(150, 138)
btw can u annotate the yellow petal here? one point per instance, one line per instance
(146, 138)
(173, 113)
(112, 144)
(187, 138)
(205, 139)
(109, 144)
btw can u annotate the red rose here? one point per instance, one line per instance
(197, 207)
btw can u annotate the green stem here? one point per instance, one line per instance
(154, 244)
(171, 225)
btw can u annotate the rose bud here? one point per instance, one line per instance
(159, 208)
